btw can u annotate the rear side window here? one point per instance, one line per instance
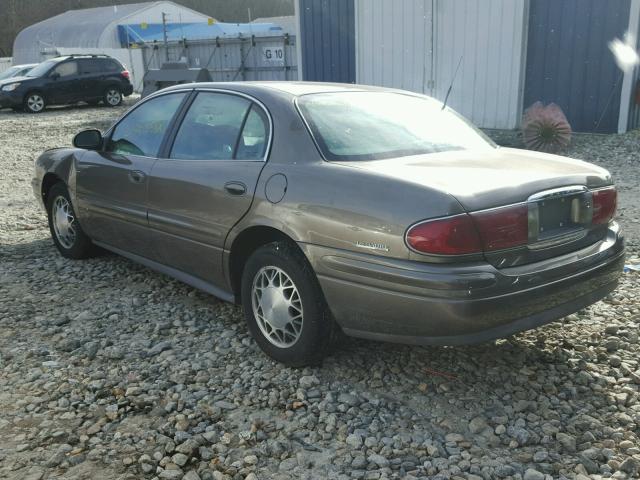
(141, 132)
(110, 65)
(90, 65)
(67, 69)
(253, 141)
(211, 128)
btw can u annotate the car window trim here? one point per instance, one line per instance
(244, 122)
(252, 99)
(108, 134)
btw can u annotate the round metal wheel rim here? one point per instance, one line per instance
(113, 97)
(277, 306)
(35, 103)
(64, 222)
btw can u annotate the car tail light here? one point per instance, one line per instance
(503, 227)
(455, 235)
(605, 202)
(125, 74)
(471, 233)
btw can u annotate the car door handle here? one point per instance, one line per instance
(235, 188)
(136, 176)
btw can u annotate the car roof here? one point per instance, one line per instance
(294, 88)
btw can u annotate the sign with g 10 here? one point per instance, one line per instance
(273, 55)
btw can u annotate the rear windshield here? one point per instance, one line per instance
(376, 125)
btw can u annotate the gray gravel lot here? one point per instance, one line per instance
(109, 370)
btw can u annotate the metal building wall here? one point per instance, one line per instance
(417, 44)
(569, 62)
(394, 44)
(327, 40)
(630, 101)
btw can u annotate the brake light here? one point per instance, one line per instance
(125, 74)
(445, 236)
(471, 233)
(605, 202)
(503, 227)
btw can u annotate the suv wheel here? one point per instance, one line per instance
(113, 97)
(68, 236)
(34, 103)
(284, 306)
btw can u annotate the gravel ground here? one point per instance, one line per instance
(109, 370)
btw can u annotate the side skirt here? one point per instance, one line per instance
(172, 272)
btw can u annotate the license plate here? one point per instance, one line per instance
(559, 216)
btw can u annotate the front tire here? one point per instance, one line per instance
(34, 102)
(68, 236)
(112, 97)
(284, 307)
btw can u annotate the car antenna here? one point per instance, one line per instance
(455, 74)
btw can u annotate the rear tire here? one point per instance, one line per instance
(284, 307)
(112, 97)
(68, 236)
(34, 102)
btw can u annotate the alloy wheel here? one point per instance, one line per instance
(35, 102)
(113, 97)
(64, 222)
(277, 306)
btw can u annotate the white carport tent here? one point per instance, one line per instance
(92, 28)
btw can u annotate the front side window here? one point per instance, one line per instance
(42, 68)
(352, 126)
(212, 126)
(66, 69)
(141, 132)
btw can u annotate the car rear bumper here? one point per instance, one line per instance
(127, 90)
(426, 304)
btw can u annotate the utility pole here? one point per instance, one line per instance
(164, 34)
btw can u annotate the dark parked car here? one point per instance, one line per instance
(325, 206)
(17, 71)
(67, 80)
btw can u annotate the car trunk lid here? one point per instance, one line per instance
(557, 192)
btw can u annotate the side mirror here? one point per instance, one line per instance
(54, 76)
(90, 139)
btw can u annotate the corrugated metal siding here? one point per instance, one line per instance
(394, 44)
(327, 31)
(569, 62)
(634, 100)
(5, 63)
(399, 45)
(489, 36)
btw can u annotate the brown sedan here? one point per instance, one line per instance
(322, 206)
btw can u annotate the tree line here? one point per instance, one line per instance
(19, 14)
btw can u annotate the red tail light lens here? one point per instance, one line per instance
(125, 74)
(463, 234)
(503, 227)
(605, 202)
(445, 236)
